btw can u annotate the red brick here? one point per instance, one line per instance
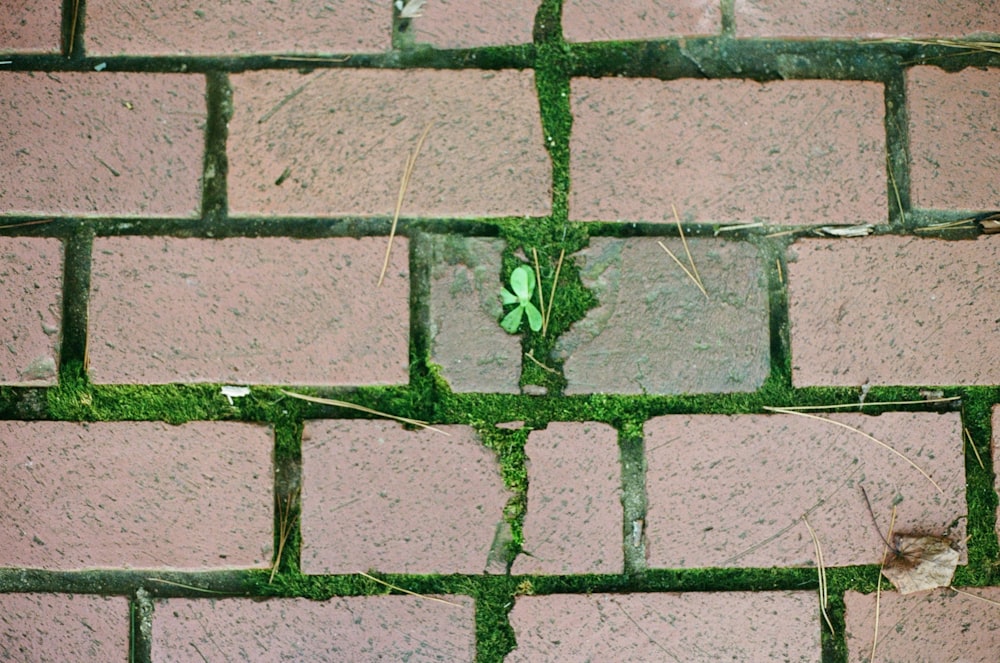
(716, 345)
(111, 143)
(574, 520)
(894, 310)
(730, 491)
(813, 152)
(402, 502)
(851, 18)
(362, 628)
(63, 627)
(30, 26)
(344, 136)
(172, 27)
(30, 309)
(87, 496)
(260, 311)
(472, 23)
(955, 136)
(474, 352)
(692, 627)
(606, 20)
(941, 625)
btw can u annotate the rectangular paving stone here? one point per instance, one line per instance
(338, 140)
(940, 625)
(894, 310)
(31, 270)
(401, 502)
(176, 27)
(126, 144)
(265, 310)
(955, 136)
(606, 20)
(63, 627)
(700, 627)
(574, 518)
(813, 154)
(466, 340)
(359, 628)
(79, 496)
(474, 23)
(731, 491)
(30, 26)
(654, 332)
(860, 18)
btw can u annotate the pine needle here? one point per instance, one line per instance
(821, 568)
(799, 408)
(694, 268)
(975, 596)
(860, 432)
(183, 586)
(895, 189)
(552, 292)
(362, 408)
(968, 436)
(285, 523)
(406, 591)
(407, 172)
(538, 283)
(949, 225)
(878, 588)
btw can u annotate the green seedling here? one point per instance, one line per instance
(522, 282)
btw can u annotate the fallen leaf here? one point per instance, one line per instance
(411, 9)
(920, 563)
(848, 231)
(231, 392)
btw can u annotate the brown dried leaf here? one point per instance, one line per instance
(921, 562)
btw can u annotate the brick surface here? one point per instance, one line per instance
(697, 627)
(87, 496)
(731, 491)
(607, 20)
(63, 627)
(894, 310)
(344, 136)
(941, 625)
(814, 152)
(466, 340)
(241, 310)
(854, 18)
(955, 136)
(363, 628)
(30, 26)
(472, 23)
(170, 27)
(716, 345)
(403, 502)
(30, 309)
(114, 143)
(574, 519)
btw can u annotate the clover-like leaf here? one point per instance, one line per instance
(522, 281)
(534, 316)
(507, 297)
(512, 320)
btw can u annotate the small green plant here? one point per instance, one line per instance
(522, 282)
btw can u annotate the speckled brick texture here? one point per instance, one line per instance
(940, 625)
(362, 628)
(474, 352)
(116, 143)
(249, 311)
(574, 520)
(29, 26)
(955, 136)
(718, 344)
(402, 502)
(894, 310)
(87, 496)
(30, 310)
(63, 627)
(732, 491)
(639, 146)
(697, 627)
(175, 27)
(607, 20)
(472, 23)
(851, 18)
(344, 135)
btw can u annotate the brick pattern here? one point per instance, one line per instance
(472, 23)
(31, 310)
(605, 20)
(30, 26)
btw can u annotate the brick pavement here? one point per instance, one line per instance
(193, 199)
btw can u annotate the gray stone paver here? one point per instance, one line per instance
(719, 344)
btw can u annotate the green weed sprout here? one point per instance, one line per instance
(522, 282)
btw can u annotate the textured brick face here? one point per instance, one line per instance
(29, 25)
(63, 627)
